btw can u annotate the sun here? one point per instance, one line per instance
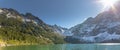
(108, 3)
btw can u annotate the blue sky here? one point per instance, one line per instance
(65, 13)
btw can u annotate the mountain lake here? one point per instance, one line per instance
(101, 46)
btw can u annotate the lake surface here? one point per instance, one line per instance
(105, 46)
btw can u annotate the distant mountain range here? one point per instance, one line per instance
(22, 29)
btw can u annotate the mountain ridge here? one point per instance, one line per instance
(25, 29)
(102, 28)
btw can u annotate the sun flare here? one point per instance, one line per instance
(108, 3)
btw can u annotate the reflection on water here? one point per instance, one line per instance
(105, 46)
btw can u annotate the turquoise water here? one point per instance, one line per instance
(109, 46)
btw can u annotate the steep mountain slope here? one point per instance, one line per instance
(105, 27)
(59, 29)
(16, 28)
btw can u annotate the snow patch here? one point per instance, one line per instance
(87, 28)
(26, 20)
(112, 36)
(110, 25)
(35, 22)
(90, 38)
(1, 11)
(9, 15)
(105, 34)
(100, 37)
(68, 33)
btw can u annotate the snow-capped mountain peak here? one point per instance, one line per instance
(104, 27)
